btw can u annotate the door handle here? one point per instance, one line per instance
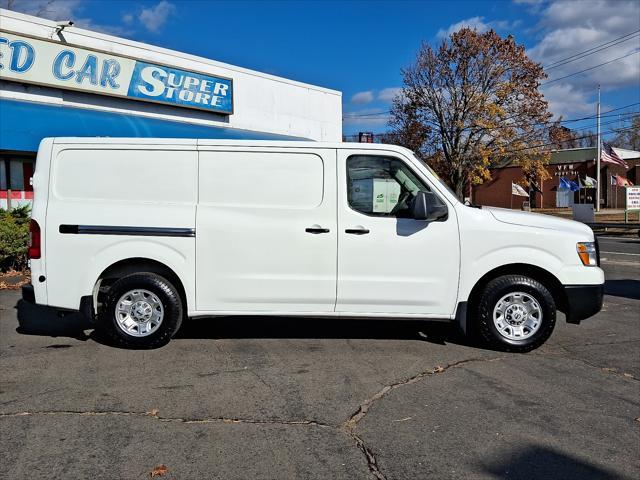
(316, 229)
(357, 231)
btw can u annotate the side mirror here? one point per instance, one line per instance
(427, 206)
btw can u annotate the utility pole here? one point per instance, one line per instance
(598, 183)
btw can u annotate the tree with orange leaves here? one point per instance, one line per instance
(471, 104)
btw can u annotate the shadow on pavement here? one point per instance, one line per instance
(46, 321)
(322, 328)
(542, 463)
(626, 288)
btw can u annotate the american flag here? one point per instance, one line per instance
(609, 155)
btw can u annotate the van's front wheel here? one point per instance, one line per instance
(515, 313)
(142, 310)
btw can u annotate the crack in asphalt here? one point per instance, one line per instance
(155, 414)
(351, 423)
(364, 407)
(563, 352)
(348, 427)
(372, 462)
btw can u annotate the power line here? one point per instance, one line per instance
(555, 143)
(549, 125)
(602, 114)
(590, 134)
(609, 122)
(590, 68)
(591, 51)
(356, 115)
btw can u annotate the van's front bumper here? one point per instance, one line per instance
(583, 301)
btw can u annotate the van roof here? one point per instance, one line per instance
(221, 142)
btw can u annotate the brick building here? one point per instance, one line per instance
(571, 164)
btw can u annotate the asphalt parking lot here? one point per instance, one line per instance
(307, 398)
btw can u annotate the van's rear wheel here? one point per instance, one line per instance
(515, 313)
(142, 310)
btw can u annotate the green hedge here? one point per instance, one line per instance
(14, 238)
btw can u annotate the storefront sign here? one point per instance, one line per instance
(633, 198)
(55, 64)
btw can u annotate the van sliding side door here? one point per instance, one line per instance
(266, 230)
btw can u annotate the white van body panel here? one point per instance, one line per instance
(252, 248)
(112, 185)
(488, 243)
(39, 214)
(242, 208)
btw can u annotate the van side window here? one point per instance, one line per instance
(381, 186)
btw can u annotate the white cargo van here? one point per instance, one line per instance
(141, 233)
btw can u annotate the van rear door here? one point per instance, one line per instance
(266, 230)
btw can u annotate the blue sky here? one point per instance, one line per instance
(359, 47)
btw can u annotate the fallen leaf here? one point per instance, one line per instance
(628, 375)
(158, 471)
(153, 412)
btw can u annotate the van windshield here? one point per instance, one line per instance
(437, 177)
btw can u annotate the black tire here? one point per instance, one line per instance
(166, 293)
(497, 289)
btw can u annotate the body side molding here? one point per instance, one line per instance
(127, 230)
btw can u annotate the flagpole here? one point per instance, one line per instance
(598, 157)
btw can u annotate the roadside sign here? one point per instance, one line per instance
(633, 198)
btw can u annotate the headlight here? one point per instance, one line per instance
(587, 253)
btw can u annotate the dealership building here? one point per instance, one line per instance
(58, 80)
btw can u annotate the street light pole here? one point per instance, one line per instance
(598, 183)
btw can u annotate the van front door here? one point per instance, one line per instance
(266, 236)
(389, 263)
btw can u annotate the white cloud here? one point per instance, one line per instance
(388, 94)
(475, 23)
(570, 27)
(154, 18)
(61, 10)
(567, 101)
(50, 9)
(362, 98)
(478, 24)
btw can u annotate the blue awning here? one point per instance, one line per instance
(24, 124)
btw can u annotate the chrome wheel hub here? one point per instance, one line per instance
(517, 316)
(139, 313)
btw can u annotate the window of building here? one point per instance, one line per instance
(16, 173)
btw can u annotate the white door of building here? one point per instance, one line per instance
(387, 261)
(266, 234)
